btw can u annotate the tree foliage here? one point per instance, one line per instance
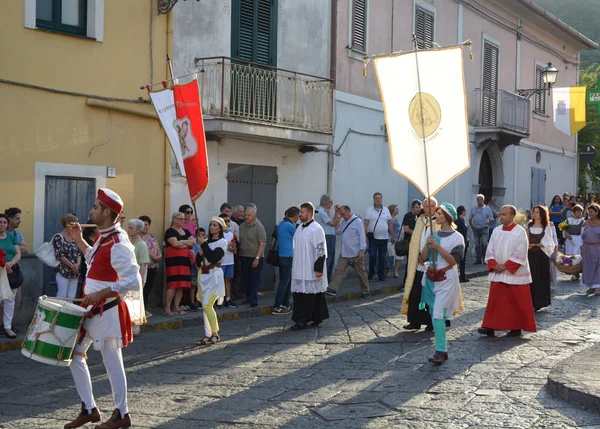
(588, 136)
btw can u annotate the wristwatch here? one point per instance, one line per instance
(258, 257)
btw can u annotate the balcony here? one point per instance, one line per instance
(500, 115)
(262, 103)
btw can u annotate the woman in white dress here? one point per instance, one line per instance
(441, 287)
(572, 233)
(211, 279)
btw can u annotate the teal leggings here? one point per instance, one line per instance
(439, 325)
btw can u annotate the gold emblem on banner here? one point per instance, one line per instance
(426, 124)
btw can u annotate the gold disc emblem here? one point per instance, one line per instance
(427, 119)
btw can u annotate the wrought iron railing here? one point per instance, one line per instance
(502, 109)
(237, 89)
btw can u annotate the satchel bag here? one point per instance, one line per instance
(401, 247)
(46, 254)
(273, 256)
(436, 275)
(371, 235)
(15, 279)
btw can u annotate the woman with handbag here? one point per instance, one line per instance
(69, 256)
(10, 274)
(441, 288)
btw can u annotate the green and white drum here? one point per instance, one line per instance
(53, 331)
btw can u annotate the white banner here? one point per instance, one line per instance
(437, 115)
(164, 103)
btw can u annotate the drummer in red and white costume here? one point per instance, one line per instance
(112, 278)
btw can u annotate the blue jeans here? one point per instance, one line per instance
(284, 289)
(481, 237)
(377, 255)
(251, 277)
(330, 240)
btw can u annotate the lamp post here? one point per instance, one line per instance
(549, 75)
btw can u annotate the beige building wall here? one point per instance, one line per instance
(42, 129)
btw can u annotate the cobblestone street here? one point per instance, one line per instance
(359, 369)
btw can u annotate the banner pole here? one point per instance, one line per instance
(416, 46)
(197, 219)
(170, 66)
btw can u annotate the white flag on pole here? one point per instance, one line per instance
(164, 103)
(436, 114)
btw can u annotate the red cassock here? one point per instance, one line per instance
(509, 306)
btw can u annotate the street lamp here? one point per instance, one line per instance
(549, 75)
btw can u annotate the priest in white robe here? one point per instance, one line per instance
(309, 278)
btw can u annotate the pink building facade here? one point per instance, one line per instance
(517, 155)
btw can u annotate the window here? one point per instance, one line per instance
(65, 16)
(358, 41)
(254, 31)
(539, 102)
(424, 28)
(490, 83)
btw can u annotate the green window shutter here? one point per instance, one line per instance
(359, 25)
(424, 28)
(254, 31)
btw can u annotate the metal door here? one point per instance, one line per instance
(256, 184)
(538, 186)
(64, 195)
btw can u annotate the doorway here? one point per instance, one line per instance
(538, 186)
(485, 175)
(64, 195)
(256, 184)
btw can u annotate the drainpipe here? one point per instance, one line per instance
(332, 76)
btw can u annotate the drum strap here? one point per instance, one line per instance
(104, 307)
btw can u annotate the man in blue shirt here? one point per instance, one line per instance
(480, 219)
(14, 220)
(285, 250)
(354, 243)
(328, 225)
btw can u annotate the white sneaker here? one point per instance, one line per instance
(185, 307)
(137, 329)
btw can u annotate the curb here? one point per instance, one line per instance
(574, 380)
(225, 317)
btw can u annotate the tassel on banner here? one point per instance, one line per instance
(470, 45)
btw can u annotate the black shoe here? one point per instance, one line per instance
(514, 333)
(477, 263)
(463, 280)
(231, 304)
(254, 305)
(371, 276)
(298, 326)
(487, 331)
(365, 295)
(330, 292)
(429, 328)
(383, 279)
(448, 324)
(194, 307)
(411, 327)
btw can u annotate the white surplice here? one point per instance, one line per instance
(309, 245)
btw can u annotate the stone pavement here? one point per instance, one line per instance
(359, 369)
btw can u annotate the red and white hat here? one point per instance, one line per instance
(110, 199)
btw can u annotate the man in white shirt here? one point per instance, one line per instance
(379, 229)
(353, 252)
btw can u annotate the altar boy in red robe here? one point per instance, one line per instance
(509, 306)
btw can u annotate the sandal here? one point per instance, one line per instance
(180, 312)
(204, 342)
(214, 339)
(167, 314)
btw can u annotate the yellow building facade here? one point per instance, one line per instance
(74, 119)
(53, 125)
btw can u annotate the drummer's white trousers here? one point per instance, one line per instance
(113, 362)
(8, 308)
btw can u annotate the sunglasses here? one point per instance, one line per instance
(188, 212)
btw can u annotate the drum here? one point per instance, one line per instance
(53, 332)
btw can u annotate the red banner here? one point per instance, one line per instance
(190, 130)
